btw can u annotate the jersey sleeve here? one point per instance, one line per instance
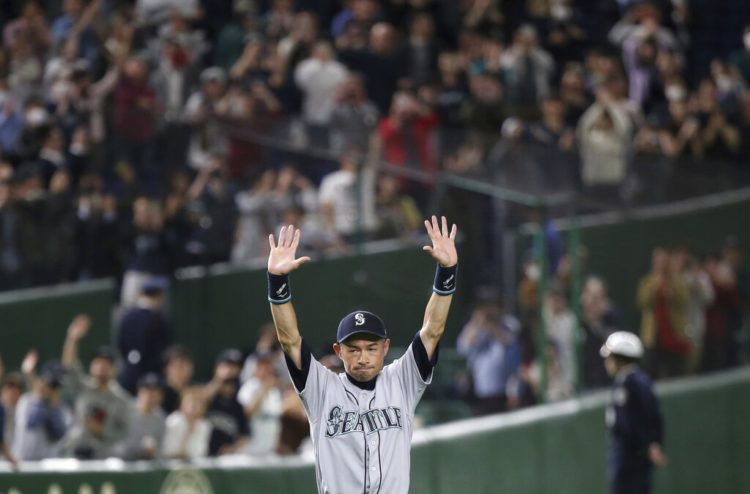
(414, 371)
(310, 381)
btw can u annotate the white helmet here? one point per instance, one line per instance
(624, 344)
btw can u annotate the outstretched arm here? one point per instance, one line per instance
(77, 329)
(281, 262)
(443, 250)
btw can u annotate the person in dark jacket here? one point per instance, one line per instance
(143, 336)
(633, 417)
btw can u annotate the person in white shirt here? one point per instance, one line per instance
(188, 432)
(344, 195)
(319, 78)
(261, 398)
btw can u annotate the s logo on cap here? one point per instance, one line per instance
(359, 319)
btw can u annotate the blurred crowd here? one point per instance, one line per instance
(695, 318)
(137, 137)
(140, 136)
(139, 400)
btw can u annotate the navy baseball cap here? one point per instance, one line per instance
(149, 380)
(154, 286)
(104, 352)
(360, 321)
(231, 356)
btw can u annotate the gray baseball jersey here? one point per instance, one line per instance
(362, 437)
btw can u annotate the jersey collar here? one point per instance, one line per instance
(366, 385)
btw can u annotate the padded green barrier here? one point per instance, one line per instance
(227, 307)
(39, 318)
(552, 449)
(163, 481)
(632, 241)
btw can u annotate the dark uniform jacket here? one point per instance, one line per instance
(634, 420)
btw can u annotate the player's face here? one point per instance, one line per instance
(363, 359)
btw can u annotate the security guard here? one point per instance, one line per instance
(633, 417)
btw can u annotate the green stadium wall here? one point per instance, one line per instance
(39, 318)
(551, 449)
(226, 306)
(620, 251)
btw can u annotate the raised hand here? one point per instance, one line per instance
(29, 362)
(443, 248)
(79, 326)
(656, 455)
(281, 258)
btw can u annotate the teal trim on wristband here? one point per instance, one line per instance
(279, 290)
(445, 280)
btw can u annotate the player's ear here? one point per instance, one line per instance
(337, 349)
(386, 346)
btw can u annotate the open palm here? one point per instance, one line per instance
(281, 258)
(443, 248)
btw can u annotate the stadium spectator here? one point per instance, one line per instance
(206, 137)
(741, 57)
(380, 62)
(42, 419)
(261, 397)
(212, 194)
(560, 324)
(147, 424)
(96, 231)
(86, 441)
(12, 387)
(663, 298)
(143, 336)
(257, 210)
(720, 138)
(701, 295)
(178, 375)
(407, 140)
(599, 319)
(152, 250)
(485, 110)
(529, 69)
(134, 121)
(347, 198)
(421, 48)
(267, 346)
(552, 142)
(604, 137)
(229, 426)
(76, 25)
(10, 394)
(733, 255)
(398, 213)
(102, 407)
(488, 343)
(319, 78)
(187, 432)
(641, 47)
(718, 339)
(294, 427)
(353, 117)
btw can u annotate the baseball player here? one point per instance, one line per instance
(633, 417)
(361, 421)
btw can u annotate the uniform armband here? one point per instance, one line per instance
(279, 291)
(445, 280)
